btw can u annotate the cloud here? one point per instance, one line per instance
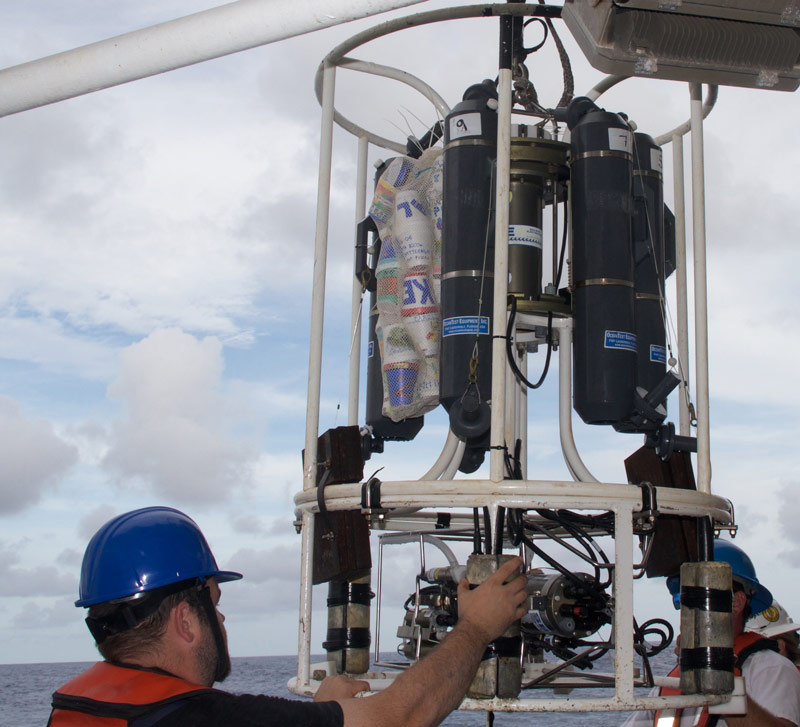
(70, 557)
(788, 517)
(43, 580)
(172, 432)
(36, 616)
(281, 563)
(91, 522)
(34, 458)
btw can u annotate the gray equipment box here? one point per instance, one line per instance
(723, 42)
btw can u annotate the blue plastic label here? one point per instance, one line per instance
(526, 235)
(658, 354)
(621, 340)
(371, 349)
(464, 325)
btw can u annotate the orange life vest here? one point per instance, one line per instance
(107, 695)
(744, 645)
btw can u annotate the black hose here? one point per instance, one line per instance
(512, 300)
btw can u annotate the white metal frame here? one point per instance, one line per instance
(411, 497)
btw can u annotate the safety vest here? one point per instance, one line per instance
(744, 645)
(107, 695)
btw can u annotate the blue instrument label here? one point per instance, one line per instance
(658, 354)
(464, 325)
(620, 340)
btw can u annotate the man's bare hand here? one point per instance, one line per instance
(339, 687)
(494, 605)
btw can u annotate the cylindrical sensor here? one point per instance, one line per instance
(349, 635)
(604, 349)
(500, 672)
(706, 646)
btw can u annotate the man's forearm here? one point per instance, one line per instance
(756, 716)
(451, 666)
(426, 693)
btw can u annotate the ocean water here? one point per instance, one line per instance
(25, 691)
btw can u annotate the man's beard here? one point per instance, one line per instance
(214, 666)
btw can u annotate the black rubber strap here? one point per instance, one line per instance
(342, 593)
(717, 658)
(131, 613)
(339, 639)
(707, 599)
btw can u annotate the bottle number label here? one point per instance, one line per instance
(465, 125)
(620, 140)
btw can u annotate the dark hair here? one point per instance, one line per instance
(145, 635)
(748, 612)
(792, 645)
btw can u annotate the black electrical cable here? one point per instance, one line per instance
(514, 526)
(563, 246)
(545, 29)
(654, 627)
(498, 538)
(512, 300)
(487, 526)
(553, 563)
(565, 519)
(476, 532)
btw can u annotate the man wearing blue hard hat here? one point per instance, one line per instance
(772, 683)
(151, 585)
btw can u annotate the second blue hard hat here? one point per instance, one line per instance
(743, 571)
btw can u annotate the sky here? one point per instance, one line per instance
(156, 245)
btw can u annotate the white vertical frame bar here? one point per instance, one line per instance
(356, 312)
(318, 280)
(497, 465)
(623, 600)
(681, 288)
(315, 368)
(700, 292)
(304, 625)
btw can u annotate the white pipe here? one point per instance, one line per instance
(500, 308)
(623, 599)
(708, 105)
(681, 288)
(573, 460)
(376, 69)
(356, 306)
(401, 538)
(700, 293)
(213, 33)
(452, 468)
(603, 85)
(448, 452)
(318, 281)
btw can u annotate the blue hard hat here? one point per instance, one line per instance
(743, 571)
(142, 550)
